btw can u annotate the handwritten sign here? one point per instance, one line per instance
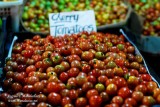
(71, 22)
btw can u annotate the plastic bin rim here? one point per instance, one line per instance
(11, 3)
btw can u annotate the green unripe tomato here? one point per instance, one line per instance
(48, 4)
(39, 21)
(120, 47)
(111, 64)
(42, 17)
(99, 87)
(32, 25)
(37, 29)
(61, 2)
(75, 2)
(25, 16)
(26, 8)
(61, 7)
(33, 3)
(42, 6)
(46, 26)
(67, 1)
(87, 2)
(144, 1)
(109, 44)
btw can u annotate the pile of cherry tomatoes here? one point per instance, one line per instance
(81, 70)
(150, 11)
(35, 13)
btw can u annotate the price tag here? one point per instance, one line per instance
(72, 22)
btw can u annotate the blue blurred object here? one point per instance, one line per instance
(1, 74)
(156, 106)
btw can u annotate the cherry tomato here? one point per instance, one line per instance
(158, 99)
(17, 49)
(46, 54)
(36, 37)
(7, 83)
(110, 81)
(109, 73)
(102, 79)
(30, 68)
(87, 86)
(104, 96)
(32, 80)
(28, 89)
(131, 101)
(91, 93)
(16, 87)
(121, 82)
(53, 87)
(81, 102)
(141, 88)
(65, 100)
(27, 53)
(4, 97)
(146, 77)
(91, 79)
(124, 92)
(148, 100)
(38, 87)
(151, 86)
(46, 63)
(37, 57)
(137, 95)
(73, 94)
(54, 98)
(64, 77)
(3, 104)
(38, 64)
(41, 98)
(117, 99)
(95, 101)
(112, 105)
(111, 89)
(42, 104)
(76, 51)
(132, 81)
(87, 56)
(156, 92)
(64, 93)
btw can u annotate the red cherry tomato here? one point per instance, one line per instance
(141, 88)
(146, 77)
(65, 100)
(52, 87)
(124, 92)
(137, 95)
(54, 98)
(117, 99)
(156, 92)
(148, 100)
(130, 101)
(91, 93)
(151, 86)
(38, 87)
(95, 101)
(30, 68)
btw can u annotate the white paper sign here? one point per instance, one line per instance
(72, 22)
